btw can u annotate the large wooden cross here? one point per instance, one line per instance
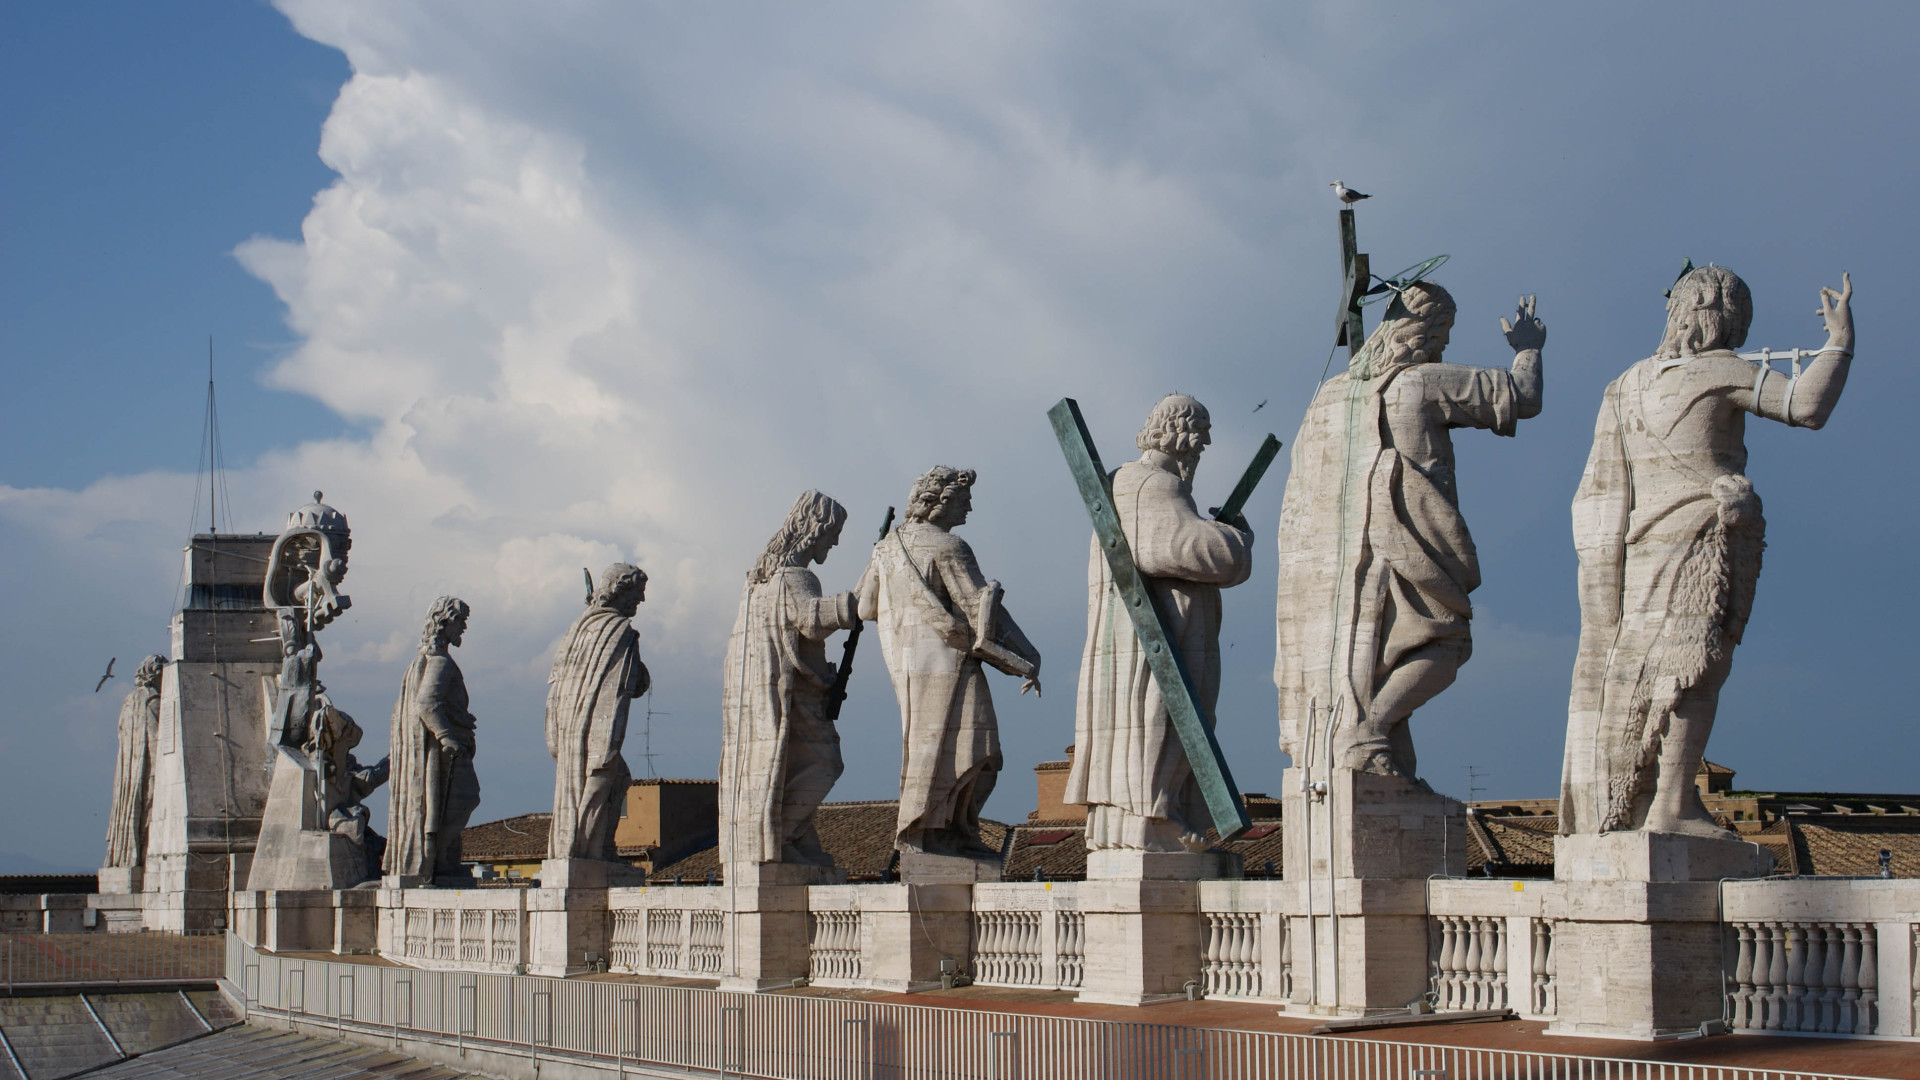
(1189, 717)
(1356, 274)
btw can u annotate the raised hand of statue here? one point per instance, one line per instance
(1836, 310)
(1525, 331)
(449, 747)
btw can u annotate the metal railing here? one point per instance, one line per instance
(796, 1037)
(35, 960)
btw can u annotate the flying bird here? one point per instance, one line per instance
(1346, 194)
(1262, 405)
(104, 678)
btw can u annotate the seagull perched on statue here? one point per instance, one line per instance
(1346, 194)
(104, 678)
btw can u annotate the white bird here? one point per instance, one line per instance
(1346, 194)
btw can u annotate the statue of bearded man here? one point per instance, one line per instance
(939, 619)
(1129, 768)
(779, 755)
(1375, 560)
(434, 787)
(1669, 534)
(596, 673)
(133, 767)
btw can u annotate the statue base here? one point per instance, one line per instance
(119, 880)
(923, 868)
(345, 922)
(780, 875)
(767, 949)
(1150, 934)
(567, 921)
(589, 874)
(1123, 864)
(1654, 856)
(296, 852)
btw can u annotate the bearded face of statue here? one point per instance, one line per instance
(954, 507)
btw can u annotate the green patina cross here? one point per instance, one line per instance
(1189, 718)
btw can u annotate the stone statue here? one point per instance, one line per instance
(596, 673)
(779, 755)
(1375, 560)
(316, 783)
(1669, 535)
(133, 767)
(435, 789)
(939, 619)
(1129, 768)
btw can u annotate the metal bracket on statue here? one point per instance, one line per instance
(1176, 686)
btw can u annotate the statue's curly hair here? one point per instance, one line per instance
(614, 580)
(810, 517)
(148, 673)
(441, 616)
(1414, 310)
(1710, 308)
(934, 488)
(1177, 425)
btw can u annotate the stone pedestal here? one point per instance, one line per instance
(344, 922)
(117, 913)
(768, 926)
(567, 927)
(296, 852)
(1361, 851)
(119, 880)
(1640, 953)
(920, 868)
(209, 775)
(1145, 934)
(888, 937)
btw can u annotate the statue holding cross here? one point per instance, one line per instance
(1375, 558)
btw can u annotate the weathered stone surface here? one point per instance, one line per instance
(133, 775)
(1375, 559)
(939, 620)
(596, 674)
(779, 754)
(1129, 767)
(1669, 534)
(434, 788)
(313, 833)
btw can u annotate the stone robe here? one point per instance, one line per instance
(1128, 762)
(1375, 559)
(1669, 535)
(133, 777)
(596, 673)
(920, 590)
(778, 755)
(433, 793)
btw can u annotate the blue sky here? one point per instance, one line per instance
(526, 288)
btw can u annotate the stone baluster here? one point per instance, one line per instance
(1777, 977)
(1834, 943)
(1553, 972)
(1442, 963)
(1216, 935)
(1815, 993)
(1868, 1018)
(1796, 974)
(1470, 971)
(1537, 997)
(1849, 979)
(1285, 927)
(1497, 964)
(1743, 979)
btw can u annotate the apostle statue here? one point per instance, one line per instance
(939, 620)
(435, 789)
(1669, 535)
(133, 767)
(348, 785)
(779, 755)
(1375, 560)
(1129, 768)
(596, 673)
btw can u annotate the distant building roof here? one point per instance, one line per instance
(514, 839)
(859, 836)
(37, 884)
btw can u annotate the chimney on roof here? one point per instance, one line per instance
(1713, 778)
(1050, 783)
